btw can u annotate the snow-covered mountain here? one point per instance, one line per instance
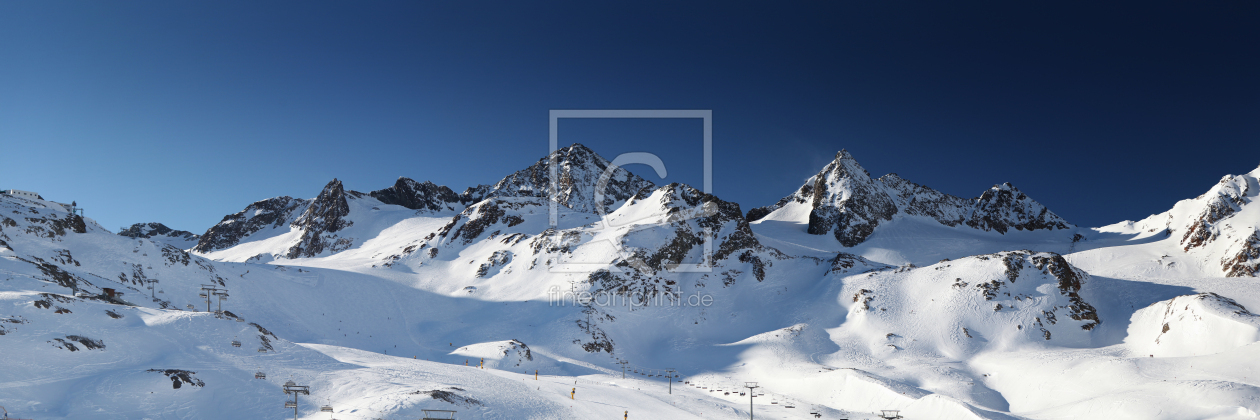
(946, 308)
(285, 227)
(1221, 227)
(843, 200)
(160, 233)
(578, 169)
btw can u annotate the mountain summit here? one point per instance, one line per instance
(843, 200)
(578, 169)
(1222, 226)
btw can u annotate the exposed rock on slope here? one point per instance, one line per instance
(843, 200)
(1003, 207)
(320, 222)
(1222, 226)
(425, 196)
(161, 233)
(578, 169)
(272, 212)
(668, 228)
(1192, 325)
(959, 307)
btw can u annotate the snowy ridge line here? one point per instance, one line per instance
(943, 322)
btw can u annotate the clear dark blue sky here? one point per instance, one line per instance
(182, 112)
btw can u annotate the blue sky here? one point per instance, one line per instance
(183, 112)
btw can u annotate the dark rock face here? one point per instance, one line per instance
(845, 202)
(846, 263)
(1070, 281)
(470, 224)
(149, 230)
(68, 343)
(269, 213)
(475, 194)
(419, 196)
(1227, 200)
(920, 200)
(319, 220)
(1004, 207)
(322, 219)
(578, 170)
(1050, 266)
(179, 377)
(1245, 262)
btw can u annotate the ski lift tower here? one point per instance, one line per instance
(222, 294)
(208, 290)
(751, 386)
(295, 389)
(152, 288)
(890, 414)
(670, 373)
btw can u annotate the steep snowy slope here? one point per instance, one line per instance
(844, 201)
(1218, 231)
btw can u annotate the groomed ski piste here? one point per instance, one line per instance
(479, 308)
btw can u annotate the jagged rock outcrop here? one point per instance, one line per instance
(1243, 259)
(269, 213)
(919, 200)
(844, 201)
(158, 232)
(320, 222)
(152, 229)
(1219, 226)
(425, 196)
(475, 194)
(683, 221)
(476, 220)
(1004, 207)
(578, 169)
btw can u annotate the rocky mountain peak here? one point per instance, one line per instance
(1004, 207)
(328, 211)
(846, 202)
(322, 219)
(843, 200)
(578, 169)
